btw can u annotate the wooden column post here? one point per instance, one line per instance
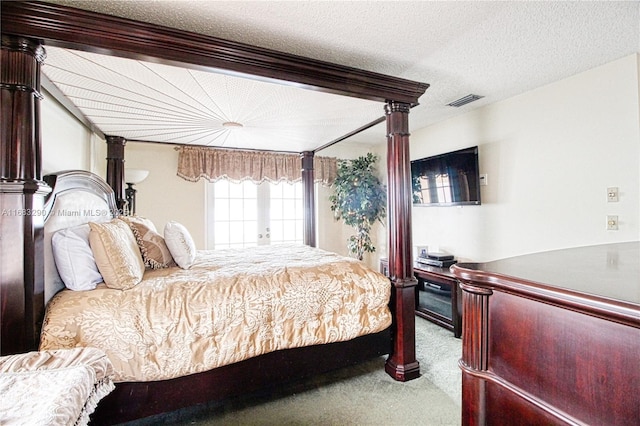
(475, 352)
(402, 364)
(115, 169)
(22, 194)
(308, 199)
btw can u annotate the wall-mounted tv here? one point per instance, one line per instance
(448, 179)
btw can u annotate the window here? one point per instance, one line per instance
(286, 221)
(247, 214)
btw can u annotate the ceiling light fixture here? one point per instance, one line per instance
(465, 100)
(232, 124)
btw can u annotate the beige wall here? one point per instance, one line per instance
(66, 143)
(550, 155)
(163, 196)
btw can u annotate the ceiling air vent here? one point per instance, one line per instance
(465, 100)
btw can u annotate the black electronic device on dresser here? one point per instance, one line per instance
(437, 296)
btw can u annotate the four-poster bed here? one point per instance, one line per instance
(28, 27)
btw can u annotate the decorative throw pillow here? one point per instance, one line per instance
(180, 244)
(74, 258)
(154, 250)
(117, 255)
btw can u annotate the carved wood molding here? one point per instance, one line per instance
(20, 152)
(399, 194)
(495, 380)
(475, 305)
(22, 70)
(610, 310)
(84, 30)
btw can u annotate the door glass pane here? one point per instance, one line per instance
(288, 191)
(289, 208)
(235, 190)
(276, 211)
(222, 188)
(299, 230)
(276, 190)
(221, 210)
(235, 214)
(286, 207)
(277, 231)
(221, 230)
(241, 212)
(250, 209)
(250, 232)
(249, 189)
(289, 233)
(236, 232)
(236, 208)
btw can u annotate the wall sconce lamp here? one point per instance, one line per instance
(133, 177)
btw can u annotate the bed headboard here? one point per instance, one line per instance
(78, 197)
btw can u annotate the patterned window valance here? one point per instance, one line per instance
(237, 165)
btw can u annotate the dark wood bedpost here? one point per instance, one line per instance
(308, 199)
(115, 169)
(22, 194)
(402, 364)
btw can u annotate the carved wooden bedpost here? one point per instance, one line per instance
(308, 199)
(22, 194)
(115, 168)
(402, 364)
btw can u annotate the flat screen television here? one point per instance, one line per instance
(448, 179)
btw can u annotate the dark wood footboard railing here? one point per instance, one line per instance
(552, 338)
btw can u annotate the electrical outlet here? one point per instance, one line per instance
(612, 194)
(612, 223)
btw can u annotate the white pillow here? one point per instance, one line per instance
(74, 258)
(180, 243)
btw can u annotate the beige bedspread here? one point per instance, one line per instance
(229, 306)
(59, 387)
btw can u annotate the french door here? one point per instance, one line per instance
(247, 214)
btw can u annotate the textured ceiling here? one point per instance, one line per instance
(493, 49)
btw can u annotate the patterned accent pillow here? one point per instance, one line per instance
(117, 255)
(180, 243)
(154, 250)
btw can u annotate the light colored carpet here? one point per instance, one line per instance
(360, 395)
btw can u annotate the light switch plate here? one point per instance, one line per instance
(612, 194)
(612, 223)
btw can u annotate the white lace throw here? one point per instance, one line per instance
(60, 387)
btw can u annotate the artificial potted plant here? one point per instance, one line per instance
(360, 200)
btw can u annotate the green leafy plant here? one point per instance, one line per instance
(360, 200)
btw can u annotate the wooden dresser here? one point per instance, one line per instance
(552, 338)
